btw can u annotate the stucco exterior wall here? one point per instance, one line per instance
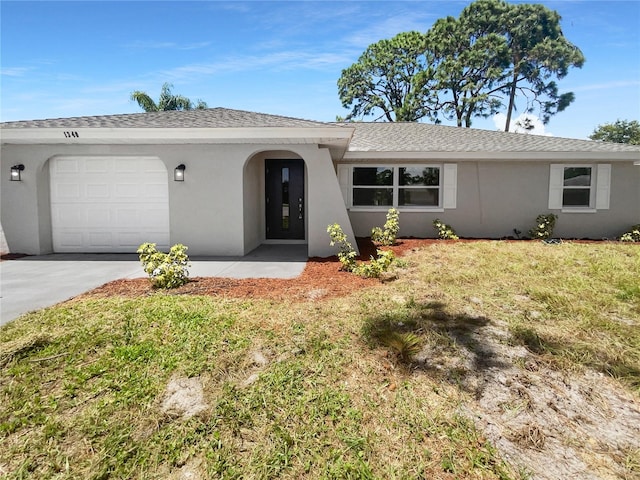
(217, 210)
(494, 198)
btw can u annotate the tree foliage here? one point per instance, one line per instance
(620, 131)
(467, 67)
(471, 58)
(386, 78)
(167, 101)
(538, 53)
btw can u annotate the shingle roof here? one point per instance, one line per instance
(368, 137)
(422, 137)
(207, 118)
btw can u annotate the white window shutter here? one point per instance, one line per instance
(603, 187)
(556, 183)
(343, 180)
(450, 186)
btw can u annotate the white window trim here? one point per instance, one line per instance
(447, 189)
(599, 189)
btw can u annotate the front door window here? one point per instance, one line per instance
(284, 188)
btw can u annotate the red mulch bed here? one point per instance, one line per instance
(321, 278)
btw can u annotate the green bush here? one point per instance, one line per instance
(376, 266)
(633, 235)
(391, 228)
(347, 255)
(445, 232)
(165, 270)
(544, 227)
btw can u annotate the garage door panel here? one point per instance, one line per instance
(71, 239)
(65, 165)
(126, 191)
(127, 166)
(108, 204)
(97, 165)
(100, 239)
(67, 190)
(98, 217)
(127, 218)
(153, 191)
(97, 191)
(67, 215)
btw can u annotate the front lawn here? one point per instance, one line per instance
(524, 361)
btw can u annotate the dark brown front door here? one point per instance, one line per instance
(285, 199)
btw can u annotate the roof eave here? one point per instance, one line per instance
(175, 135)
(493, 156)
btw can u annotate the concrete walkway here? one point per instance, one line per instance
(35, 282)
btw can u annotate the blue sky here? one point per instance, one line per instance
(62, 59)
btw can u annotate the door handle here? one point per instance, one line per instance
(300, 209)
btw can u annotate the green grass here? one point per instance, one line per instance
(81, 384)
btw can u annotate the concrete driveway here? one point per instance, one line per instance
(34, 282)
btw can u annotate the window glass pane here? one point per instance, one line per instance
(285, 198)
(577, 176)
(418, 197)
(373, 196)
(420, 176)
(576, 197)
(373, 176)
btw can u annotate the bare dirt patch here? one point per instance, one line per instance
(550, 423)
(184, 398)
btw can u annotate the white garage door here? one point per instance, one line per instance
(108, 204)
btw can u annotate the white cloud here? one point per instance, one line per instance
(14, 71)
(277, 61)
(389, 27)
(524, 123)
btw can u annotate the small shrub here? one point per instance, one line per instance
(376, 266)
(544, 227)
(633, 235)
(165, 270)
(391, 228)
(347, 254)
(445, 232)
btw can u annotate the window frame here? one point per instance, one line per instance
(599, 188)
(395, 186)
(591, 187)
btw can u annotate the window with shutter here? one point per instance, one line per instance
(579, 188)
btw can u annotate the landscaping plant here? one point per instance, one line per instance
(347, 255)
(376, 266)
(544, 227)
(391, 228)
(633, 235)
(165, 270)
(445, 232)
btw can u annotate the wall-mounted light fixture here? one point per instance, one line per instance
(178, 173)
(16, 174)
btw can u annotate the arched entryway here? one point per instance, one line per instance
(274, 199)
